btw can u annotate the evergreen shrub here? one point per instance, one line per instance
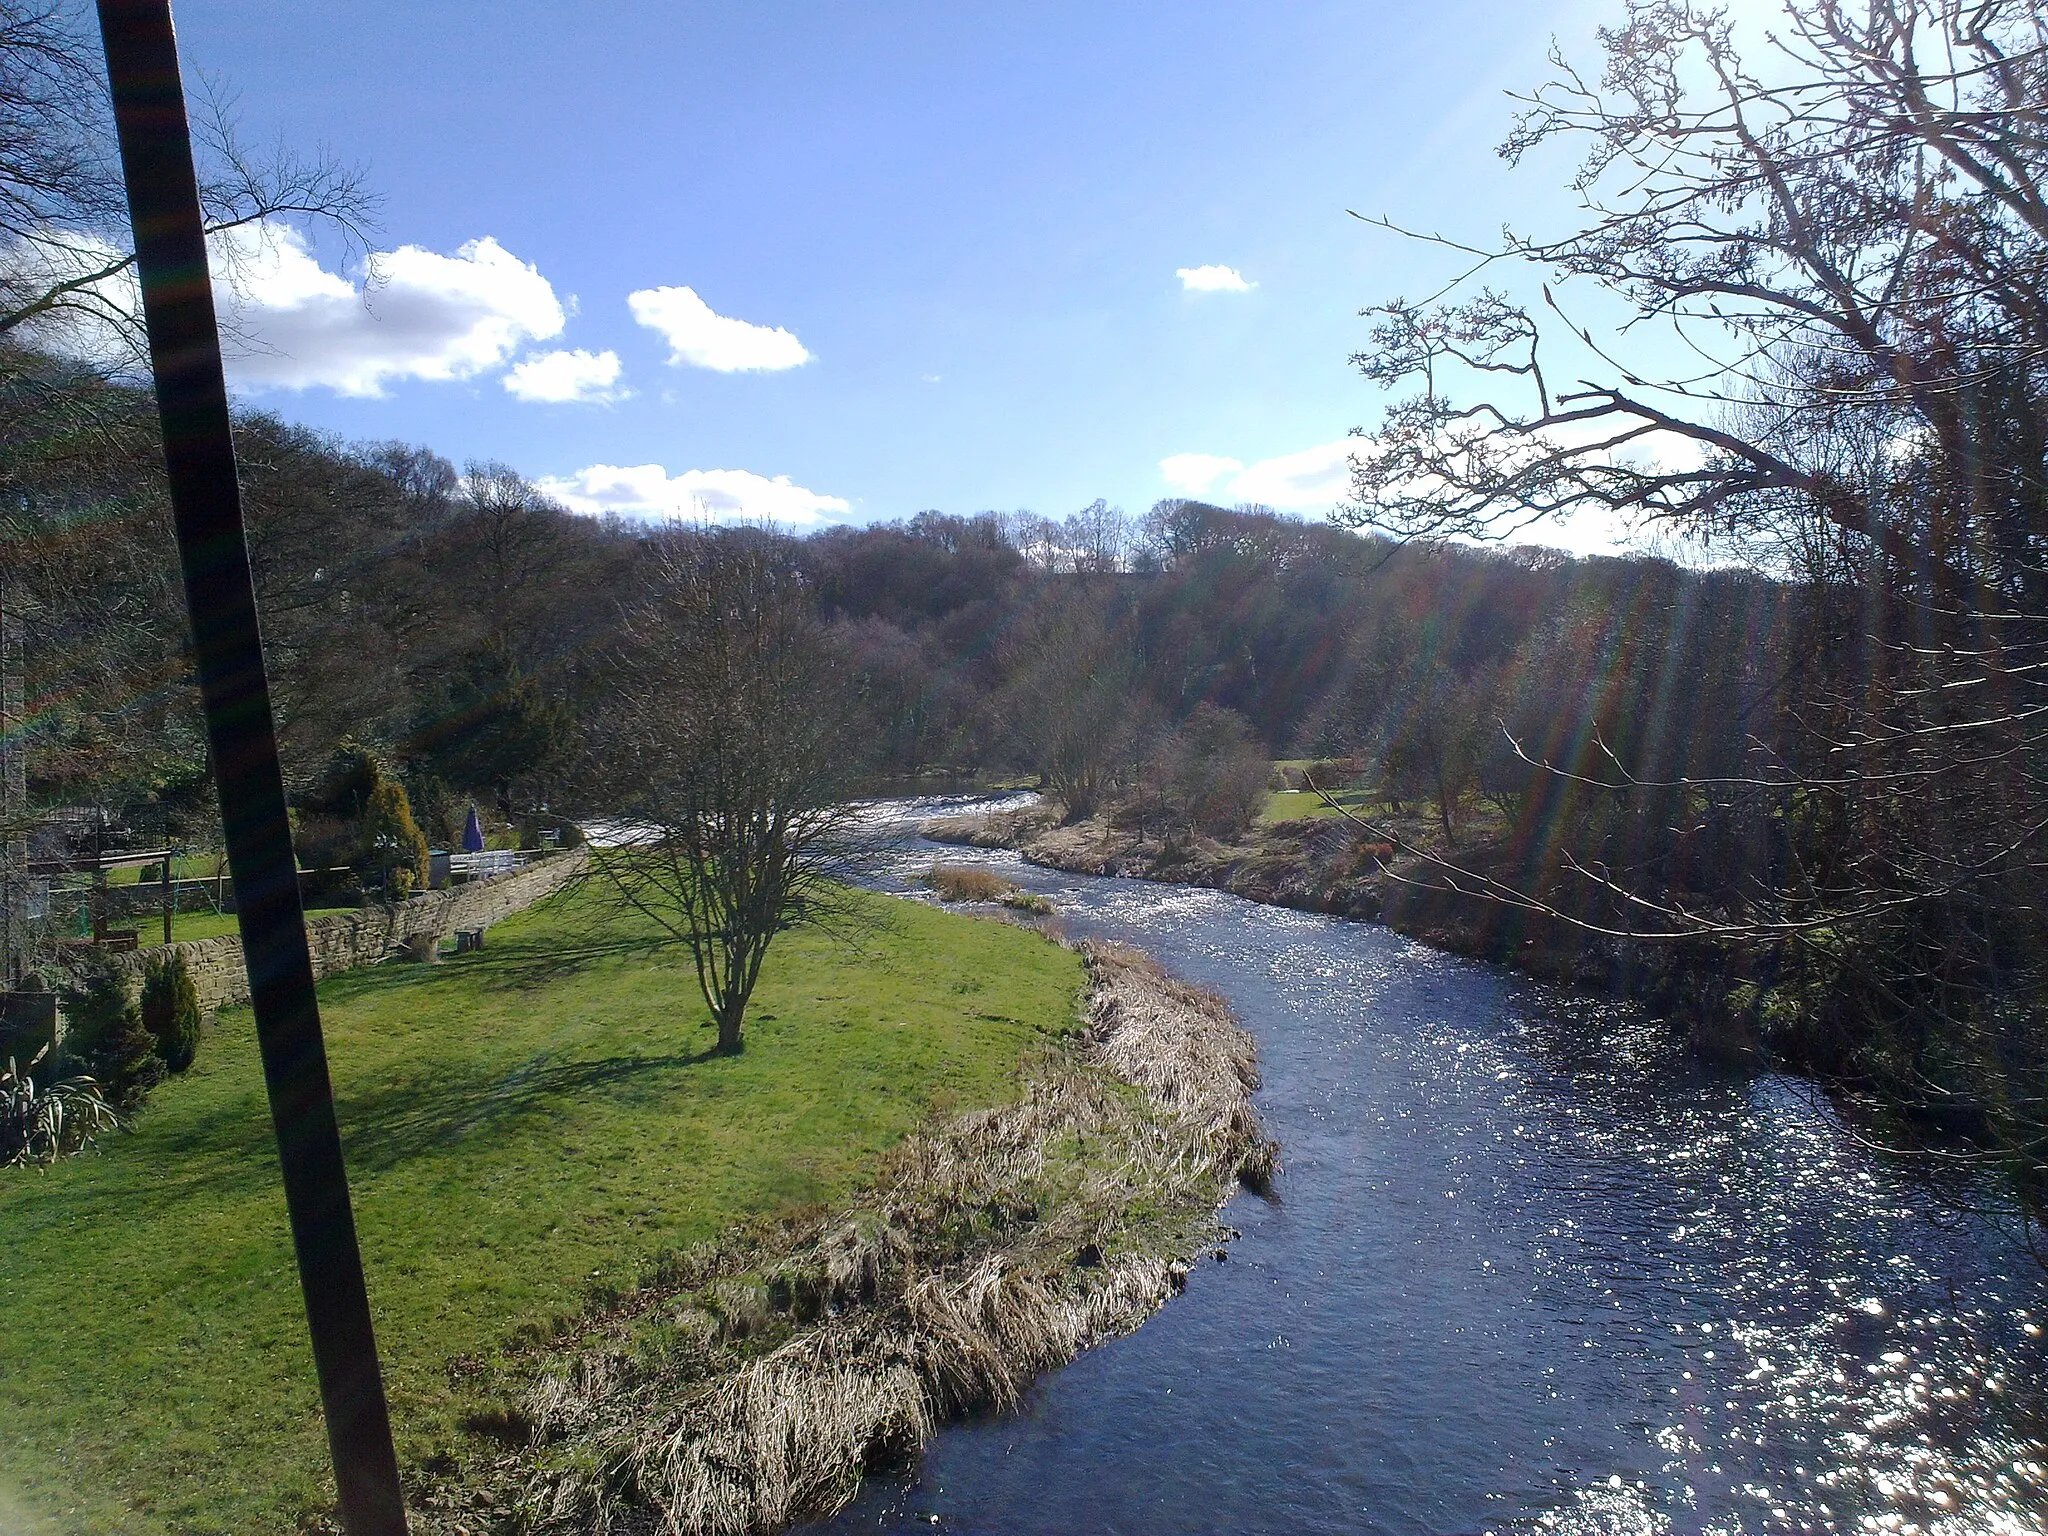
(105, 1038)
(170, 1009)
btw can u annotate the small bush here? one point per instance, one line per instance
(104, 1033)
(322, 842)
(1026, 901)
(394, 850)
(1369, 855)
(967, 882)
(170, 1009)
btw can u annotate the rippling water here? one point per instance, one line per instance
(1529, 1269)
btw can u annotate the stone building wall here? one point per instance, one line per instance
(351, 939)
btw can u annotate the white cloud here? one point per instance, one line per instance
(1313, 479)
(719, 495)
(289, 323)
(418, 315)
(1192, 474)
(556, 377)
(702, 338)
(1212, 280)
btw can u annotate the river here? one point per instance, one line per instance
(1530, 1268)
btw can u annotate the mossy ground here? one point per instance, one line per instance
(523, 1126)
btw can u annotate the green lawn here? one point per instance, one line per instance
(149, 926)
(1306, 804)
(520, 1124)
(188, 925)
(149, 930)
(186, 866)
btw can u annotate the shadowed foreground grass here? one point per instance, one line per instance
(522, 1125)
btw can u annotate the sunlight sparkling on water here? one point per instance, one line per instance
(1531, 1269)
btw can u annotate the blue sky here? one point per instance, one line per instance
(933, 252)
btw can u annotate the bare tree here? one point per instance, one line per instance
(1839, 228)
(1069, 704)
(1207, 776)
(66, 269)
(1431, 746)
(1858, 223)
(1847, 228)
(1098, 538)
(727, 743)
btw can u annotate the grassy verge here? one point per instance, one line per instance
(524, 1127)
(745, 1386)
(189, 925)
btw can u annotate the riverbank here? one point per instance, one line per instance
(526, 1127)
(1327, 865)
(747, 1384)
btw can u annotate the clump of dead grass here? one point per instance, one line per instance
(967, 882)
(995, 1247)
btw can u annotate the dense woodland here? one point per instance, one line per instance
(461, 626)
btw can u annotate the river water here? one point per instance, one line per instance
(1530, 1268)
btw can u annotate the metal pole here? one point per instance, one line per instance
(14, 940)
(192, 402)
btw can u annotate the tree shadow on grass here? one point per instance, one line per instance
(520, 965)
(384, 1128)
(514, 965)
(228, 1152)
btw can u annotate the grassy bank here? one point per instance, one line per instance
(524, 1127)
(746, 1385)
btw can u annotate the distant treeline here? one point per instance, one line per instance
(1591, 715)
(459, 622)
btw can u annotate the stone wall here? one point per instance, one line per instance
(351, 939)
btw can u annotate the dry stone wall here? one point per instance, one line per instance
(351, 939)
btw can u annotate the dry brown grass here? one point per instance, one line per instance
(971, 882)
(995, 1247)
(1002, 829)
(967, 882)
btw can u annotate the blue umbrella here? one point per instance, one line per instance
(473, 833)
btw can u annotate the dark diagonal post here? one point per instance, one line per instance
(191, 394)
